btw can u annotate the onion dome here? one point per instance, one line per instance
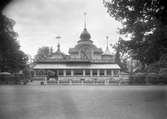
(85, 35)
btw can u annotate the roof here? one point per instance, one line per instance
(76, 66)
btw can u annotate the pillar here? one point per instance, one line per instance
(45, 80)
(83, 72)
(112, 73)
(72, 72)
(57, 72)
(64, 72)
(98, 72)
(105, 72)
(118, 72)
(35, 73)
(91, 73)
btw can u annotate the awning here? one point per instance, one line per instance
(76, 66)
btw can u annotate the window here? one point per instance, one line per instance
(78, 72)
(40, 72)
(60, 72)
(94, 72)
(68, 72)
(108, 72)
(101, 72)
(87, 72)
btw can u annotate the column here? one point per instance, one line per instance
(45, 80)
(58, 76)
(64, 72)
(119, 72)
(57, 72)
(91, 73)
(112, 73)
(105, 72)
(72, 72)
(98, 72)
(83, 72)
(35, 74)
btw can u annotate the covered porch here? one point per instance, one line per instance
(78, 73)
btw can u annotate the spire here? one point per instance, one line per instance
(107, 51)
(58, 44)
(85, 20)
(107, 40)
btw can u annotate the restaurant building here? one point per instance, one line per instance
(84, 63)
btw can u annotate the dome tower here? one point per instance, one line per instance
(85, 35)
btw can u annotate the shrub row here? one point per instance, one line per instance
(146, 78)
(12, 80)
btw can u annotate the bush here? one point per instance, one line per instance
(152, 78)
(138, 78)
(12, 79)
(162, 78)
(148, 78)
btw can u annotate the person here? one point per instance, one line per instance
(47, 76)
(56, 77)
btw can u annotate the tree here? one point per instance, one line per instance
(3, 4)
(146, 21)
(12, 59)
(42, 53)
(121, 55)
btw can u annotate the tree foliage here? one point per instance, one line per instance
(12, 59)
(42, 53)
(121, 55)
(4, 3)
(146, 21)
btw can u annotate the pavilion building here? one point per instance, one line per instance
(85, 62)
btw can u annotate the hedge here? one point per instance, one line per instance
(148, 78)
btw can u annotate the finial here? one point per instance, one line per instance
(85, 20)
(58, 47)
(107, 40)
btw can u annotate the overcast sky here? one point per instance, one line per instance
(38, 22)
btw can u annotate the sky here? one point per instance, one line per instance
(39, 22)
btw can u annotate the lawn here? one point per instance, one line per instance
(83, 102)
